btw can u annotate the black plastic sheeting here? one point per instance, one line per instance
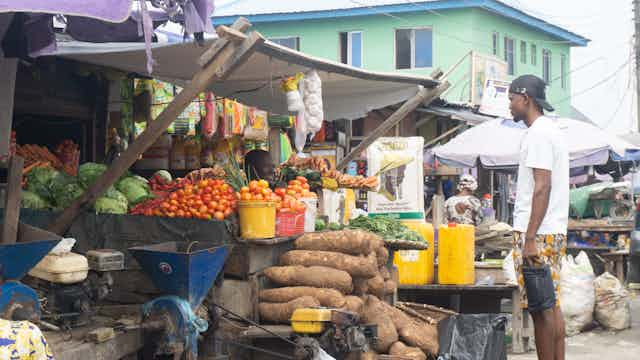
(472, 337)
(120, 232)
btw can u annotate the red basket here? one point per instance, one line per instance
(289, 224)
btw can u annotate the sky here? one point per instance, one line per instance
(609, 25)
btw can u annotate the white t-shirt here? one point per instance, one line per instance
(543, 147)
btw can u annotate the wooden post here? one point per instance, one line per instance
(12, 203)
(423, 97)
(8, 68)
(230, 55)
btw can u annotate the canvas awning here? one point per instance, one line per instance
(348, 92)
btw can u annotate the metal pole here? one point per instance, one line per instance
(636, 20)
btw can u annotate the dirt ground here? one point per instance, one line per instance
(599, 344)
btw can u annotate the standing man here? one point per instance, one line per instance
(541, 210)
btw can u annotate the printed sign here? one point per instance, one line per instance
(397, 162)
(495, 100)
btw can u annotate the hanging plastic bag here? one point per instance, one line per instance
(577, 293)
(290, 88)
(239, 119)
(209, 121)
(257, 127)
(613, 307)
(312, 98)
(301, 131)
(509, 268)
(472, 336)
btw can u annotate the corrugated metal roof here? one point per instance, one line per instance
(272, 11)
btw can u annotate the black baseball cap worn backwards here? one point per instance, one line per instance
(532, 86)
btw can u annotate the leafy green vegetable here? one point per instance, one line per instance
(31, 200)
(388, 228)
(89, 172)
(39, 182)
(134, 190)
(335, 227)
(320, 225)
(106, 205)
(114, 194)
(65, 189)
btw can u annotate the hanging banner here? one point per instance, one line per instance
(485, 67)
(397, 162)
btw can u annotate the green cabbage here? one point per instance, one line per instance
(134, 190)
(114, 194)
(164, 174)
(39, 181)
(65, 189)
(31, 200)
(105, 205)
(89, 172)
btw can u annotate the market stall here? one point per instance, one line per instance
(112, 206)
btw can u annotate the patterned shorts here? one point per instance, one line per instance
(551, 248)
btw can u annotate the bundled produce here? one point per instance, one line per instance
(390, 229)
(41, 156)
(613, 303)
(326, 297)
(315, 276)
(353, 242)
(356, 266)
(281, 313)
(354, 182)
(400, 349)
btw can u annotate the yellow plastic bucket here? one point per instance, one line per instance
(257, 219)
(456, 252)
(415, 267)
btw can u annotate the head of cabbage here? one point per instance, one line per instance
(105, 205)
(134, 189)
(31, 200)
(89, 172)
(39, 181)
(65, 189)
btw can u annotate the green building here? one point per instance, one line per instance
(420, 36)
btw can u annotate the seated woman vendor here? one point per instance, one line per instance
(464, 207)
(259, 166)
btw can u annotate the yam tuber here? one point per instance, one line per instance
(281, 313)
(360, 286)
(387, 333)
(314, 276)
(353, 304)
(375, 286)
(400, 349)
(353, 242)
(384, 272)
(365, 267)
(421, 335)
(326, 297)
(382, 254)
(390, 287)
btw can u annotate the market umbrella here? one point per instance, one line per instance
(496, 144)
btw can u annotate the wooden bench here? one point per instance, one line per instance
(476, 299)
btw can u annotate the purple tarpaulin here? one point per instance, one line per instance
(107, 10)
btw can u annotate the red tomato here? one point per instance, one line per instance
(301, 179)
(219, 216)
(228, 213)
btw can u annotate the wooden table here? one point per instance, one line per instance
(614, 263)
(476, 299)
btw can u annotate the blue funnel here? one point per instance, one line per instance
(176, 270)
(17, 259)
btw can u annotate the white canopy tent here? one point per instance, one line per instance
(496, 144)
(348, 92)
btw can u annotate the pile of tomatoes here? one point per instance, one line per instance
(257, 191)
(206, 200)
(289, 198)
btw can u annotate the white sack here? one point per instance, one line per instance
(613, 307)
(577, 293)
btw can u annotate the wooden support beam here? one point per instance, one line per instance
(12, 201)
(423, 97)
(444, 135)
(241, 24)
(229, 57)
(8, 68)
(233, 34)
